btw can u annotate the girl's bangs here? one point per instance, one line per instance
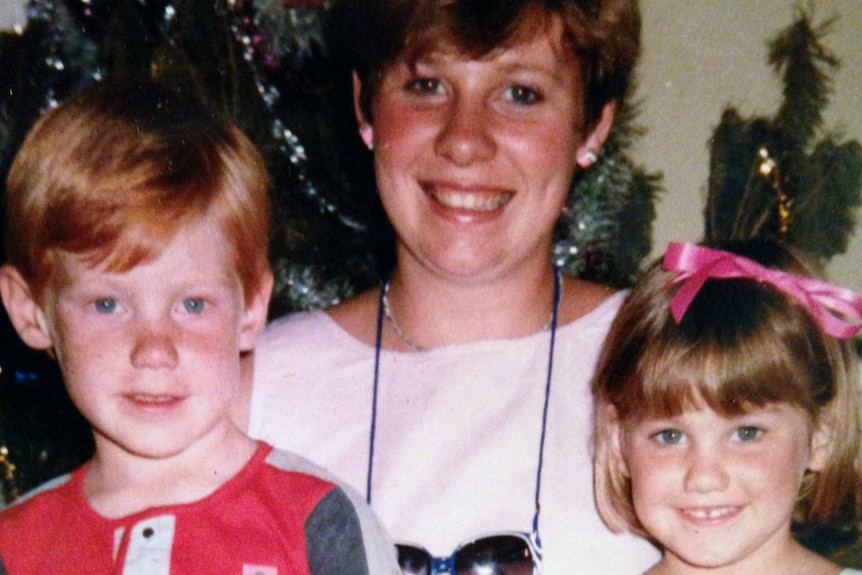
(730, 366)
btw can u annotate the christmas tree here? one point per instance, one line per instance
(785, 177)
(274, 67)
(788, 179)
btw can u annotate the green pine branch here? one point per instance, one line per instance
(761, 166)
(798, 56)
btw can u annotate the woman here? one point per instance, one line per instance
(456, 396)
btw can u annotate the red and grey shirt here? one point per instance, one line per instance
(268, 520)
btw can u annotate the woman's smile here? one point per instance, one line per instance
(467, 197)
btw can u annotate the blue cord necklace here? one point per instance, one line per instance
(378, 346)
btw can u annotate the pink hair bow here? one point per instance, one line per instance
(837, 310)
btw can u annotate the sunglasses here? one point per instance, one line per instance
(504, 554)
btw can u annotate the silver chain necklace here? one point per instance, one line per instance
(390, 317)
(387, 311)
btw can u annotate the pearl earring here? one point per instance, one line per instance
(367, 135)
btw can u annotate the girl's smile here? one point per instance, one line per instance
(718, 490)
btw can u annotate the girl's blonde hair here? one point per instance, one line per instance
(740, 345)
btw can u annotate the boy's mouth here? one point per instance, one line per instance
(154, 399)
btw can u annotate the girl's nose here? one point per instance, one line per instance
(706, 470)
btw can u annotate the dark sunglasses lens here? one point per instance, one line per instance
(413, 560)
(498, 555)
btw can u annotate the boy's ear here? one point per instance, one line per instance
(589, 149)
(366, 131)
(25, 313)
(254, 314)
(822, 440)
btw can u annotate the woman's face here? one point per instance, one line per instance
(474, 157)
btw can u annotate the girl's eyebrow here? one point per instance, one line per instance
(770, 408)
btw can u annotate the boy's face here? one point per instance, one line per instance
(151, 356)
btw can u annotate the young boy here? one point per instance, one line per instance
(137, 226)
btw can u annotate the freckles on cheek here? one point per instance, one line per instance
(395, 129)
(405, 124)
(217, 346)
(554, 153)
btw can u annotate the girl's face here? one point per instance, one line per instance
(474, 157)
(719, 491)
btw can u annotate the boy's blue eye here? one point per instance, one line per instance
(194, 304)
(105, 305)
(748, 433)
(670, 436)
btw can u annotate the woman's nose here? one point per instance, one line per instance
(154, 347)
(706, 470)
(465, 135)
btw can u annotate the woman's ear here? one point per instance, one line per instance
(588, 152)
(366, 132)
(254, 315)
(24, 311)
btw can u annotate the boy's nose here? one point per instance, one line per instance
(705, 470)
(154, 349)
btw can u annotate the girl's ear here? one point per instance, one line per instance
(366, 131)
(589, 149)
(822, 440)
(254, 315)
(616, 437)
(24, 311)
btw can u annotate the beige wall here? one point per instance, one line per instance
(11, 13)
(699, 56)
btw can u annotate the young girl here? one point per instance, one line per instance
(726, 411)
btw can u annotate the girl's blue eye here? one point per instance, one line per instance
(105, 305)
(523, 95)
(748, 433)
(670, 436)
(194, 304)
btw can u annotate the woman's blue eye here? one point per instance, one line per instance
(523, 95)
(748, 433)
(670, 436)
(105, 305)
(194, 304)
(424, 85)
